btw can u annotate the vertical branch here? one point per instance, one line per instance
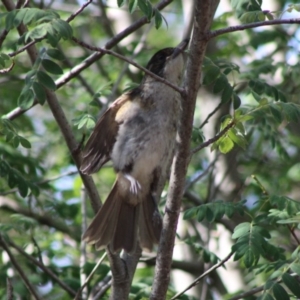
(82, 260)
(204, 12)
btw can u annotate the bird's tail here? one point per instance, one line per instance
(117, 223)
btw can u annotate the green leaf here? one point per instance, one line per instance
(201, 214)
(9, 21)
(279, 292)
(128, 87)
(53, 37)
(281, 96)
(210, 216)
(237, 138)
(220, 84)
(51, 67)
(257, 86)
(15, 141)
(13, 178)
(225, 144)
(249, 258)
(84, 120)
(158, 19)
(190, 213)
(211, 74)
(23, 187)
(146, 8)
(295, 267)
(23, 220)
(3, 58)
(39, 92)
(37, 33)
(46, 80)
(132, 5)
(63, 28)
(227, 93)
(4, 168)
(265, 296)
(25, 143)
(276, 113)
(26, 98)
(292, 284)
(236, 101)
(31, 13)
(241, 230)
(20, 16)
(291, 111)
(121, 2)
(55, 53)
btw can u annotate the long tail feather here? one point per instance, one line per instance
(117, 223)
(150, 223)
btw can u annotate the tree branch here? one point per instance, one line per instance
(74, 15)
(255, 290)
(130, 61)
(197, 280)
(14, 262)
(52, 275)
(214, 139)
(204, 12)
(12, 206)
(218, 32)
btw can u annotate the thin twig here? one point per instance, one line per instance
(197, 280)
(201, 175)
(45, 219)
(130, 61)
(14, 262)
(136, 50)
(38, 250)
(292, 231)
(100, 289)
(218, 32)
(255, 290)
(43, 267)
(14, 190)
(78, 294)
(210, 115)
(74, 15)
(24, 48)
(9, 289)
(212, 140)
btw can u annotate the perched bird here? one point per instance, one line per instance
(138, 133)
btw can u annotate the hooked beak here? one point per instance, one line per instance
(181, 47)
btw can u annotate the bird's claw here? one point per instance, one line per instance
(134, 184)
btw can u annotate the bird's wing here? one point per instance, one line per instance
(99, 146)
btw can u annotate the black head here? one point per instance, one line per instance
(158, 61)
(164, 57)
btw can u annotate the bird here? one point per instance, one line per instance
(138, 134)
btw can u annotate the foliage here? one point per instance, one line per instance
(247, 119)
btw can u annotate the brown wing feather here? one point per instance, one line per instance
(99, 146)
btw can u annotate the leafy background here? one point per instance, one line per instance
(241, 199)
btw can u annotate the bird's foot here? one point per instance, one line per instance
(134, 184)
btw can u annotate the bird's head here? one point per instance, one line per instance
(168, 63)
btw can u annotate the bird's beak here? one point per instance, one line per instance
(181, 47)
